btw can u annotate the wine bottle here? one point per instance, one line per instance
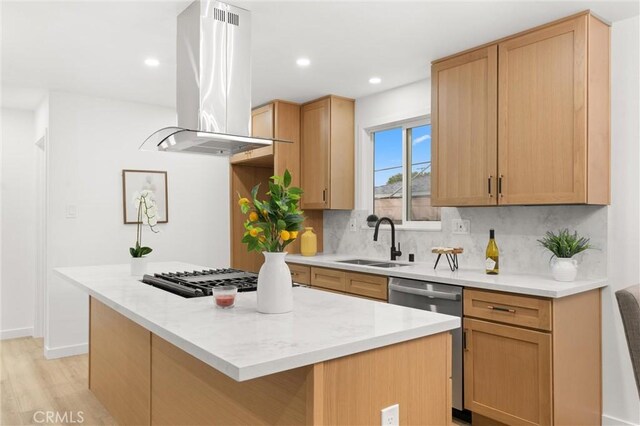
(491, 262)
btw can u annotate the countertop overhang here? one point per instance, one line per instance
(244, 344)
(532, 285)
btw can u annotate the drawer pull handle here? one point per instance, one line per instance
(501, 309)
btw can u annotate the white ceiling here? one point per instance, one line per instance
(98, 47)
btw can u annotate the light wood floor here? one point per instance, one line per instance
(32, 384)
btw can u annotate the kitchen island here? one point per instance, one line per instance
(158, 358)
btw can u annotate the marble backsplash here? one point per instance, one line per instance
(517, 229)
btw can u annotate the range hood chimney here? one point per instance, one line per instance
(213, 91)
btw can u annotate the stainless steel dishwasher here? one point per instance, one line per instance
(441, 298)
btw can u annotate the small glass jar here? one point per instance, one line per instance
(225, 296)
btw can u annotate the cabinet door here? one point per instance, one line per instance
(542, 115)
(507, 373)
(286, 156)
(315, 154)
(463, 128)
(262, 122)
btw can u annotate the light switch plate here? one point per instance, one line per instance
(390, 416)
(460, 226)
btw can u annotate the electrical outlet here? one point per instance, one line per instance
(460, 226)
(353, 224)
(390, 416)
(72, 211)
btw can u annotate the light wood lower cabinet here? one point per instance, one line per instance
(353, 283)
(144, 380)
(300, 274)
(533, 361)
(508, 373)
(373, 286)
(331, 279)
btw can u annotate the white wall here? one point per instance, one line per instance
(18, 263)
(91, 140)
(621, 404)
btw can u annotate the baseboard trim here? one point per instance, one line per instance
(63, 351)
(614, 421)
(16, 333)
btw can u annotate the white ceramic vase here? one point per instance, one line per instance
(138, 266)
(275, 295)
(564, 269)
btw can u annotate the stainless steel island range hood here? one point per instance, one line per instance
(213, 92)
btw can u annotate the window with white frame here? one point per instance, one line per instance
(402, 173)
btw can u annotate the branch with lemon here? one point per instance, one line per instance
(272, 224)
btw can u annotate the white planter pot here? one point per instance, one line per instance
(564, 269)
(138, 266)
(275, 295)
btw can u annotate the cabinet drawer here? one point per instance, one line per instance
(373, 286)
(525, 311)
(328, 278)
(300, 274)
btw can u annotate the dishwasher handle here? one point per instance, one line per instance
(426, 293)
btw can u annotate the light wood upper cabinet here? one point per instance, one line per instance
(327, 160)
(262, 121)
(463, 120)
(543, 97)
(280, 120)
(552, 119)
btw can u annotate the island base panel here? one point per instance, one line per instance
(143, 379)
(120, 364)
(187, 391)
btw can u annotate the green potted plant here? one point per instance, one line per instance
(147, 212)
(563, 246)
(270, 227)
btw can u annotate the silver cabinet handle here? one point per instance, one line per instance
(425, 293)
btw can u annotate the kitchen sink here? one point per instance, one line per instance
(388, 265)
(359, 261)
(374, 263)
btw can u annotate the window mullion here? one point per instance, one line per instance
(405, 174)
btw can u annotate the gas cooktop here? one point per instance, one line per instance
(201, 283)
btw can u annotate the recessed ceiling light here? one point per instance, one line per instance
(303, 62)
(375, 80)
(151, 62)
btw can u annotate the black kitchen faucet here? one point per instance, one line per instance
(394, 252)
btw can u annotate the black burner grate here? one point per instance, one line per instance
(201, 283)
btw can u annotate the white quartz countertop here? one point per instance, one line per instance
(244, 344)
(533, 285)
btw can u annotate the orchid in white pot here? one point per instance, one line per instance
(147, 212)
